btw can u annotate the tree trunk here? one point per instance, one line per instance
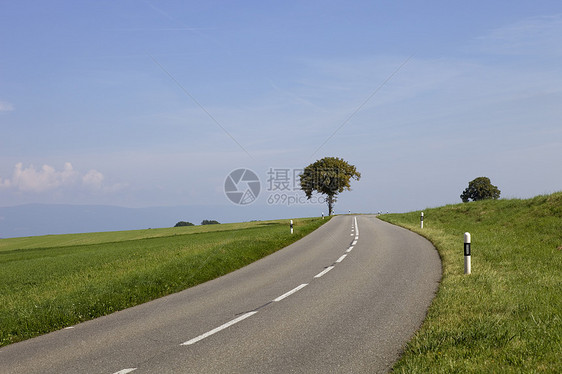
(330, 204)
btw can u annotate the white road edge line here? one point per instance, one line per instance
(291, 292)
(220, 328)
(356, 227)
(349, 249)
(323, 272)
(341, 258)
(125, 371)
(354, 242)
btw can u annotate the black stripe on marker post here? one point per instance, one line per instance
(467, 249)
(467, 253)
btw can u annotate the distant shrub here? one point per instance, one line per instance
(183, 223)
(480, 189)
(209, 222)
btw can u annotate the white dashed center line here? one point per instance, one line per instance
(291, 292)
(125, 371)
(220, 328)
(355, 229)
(323, 272)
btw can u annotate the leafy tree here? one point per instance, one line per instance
(328, 176)
(183, 223)
(480, 189)
(209, 222)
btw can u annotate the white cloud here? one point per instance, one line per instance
(93, 179)
(536, 35)
(46, 178)
(38, 180)
(6, 107)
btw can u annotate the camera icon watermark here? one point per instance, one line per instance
(242, 186)
(283, 185)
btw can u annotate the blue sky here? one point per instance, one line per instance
(154, 103)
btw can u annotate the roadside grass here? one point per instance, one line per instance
(48, 241)
(506, 317)
(51, 282)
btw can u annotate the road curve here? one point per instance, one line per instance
(344, 299)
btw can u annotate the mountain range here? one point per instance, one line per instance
(50, 219)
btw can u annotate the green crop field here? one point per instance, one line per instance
(51, 282)
(506, 317)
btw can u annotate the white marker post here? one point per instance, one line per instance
(467, 253)
(322, 215)
(421, 221)
(291, 226)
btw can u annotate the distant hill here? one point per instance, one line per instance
(47, 219)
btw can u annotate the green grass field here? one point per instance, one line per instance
(506, 317)
(51, 282)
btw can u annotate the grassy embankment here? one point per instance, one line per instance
(506, 317)
(50, 282)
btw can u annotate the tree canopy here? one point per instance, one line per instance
(328, 176)
(209, 222)
(480, 189)
(183, 223)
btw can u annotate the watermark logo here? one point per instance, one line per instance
(242, 186)
(282, 186)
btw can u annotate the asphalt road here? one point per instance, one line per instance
(344, 299)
